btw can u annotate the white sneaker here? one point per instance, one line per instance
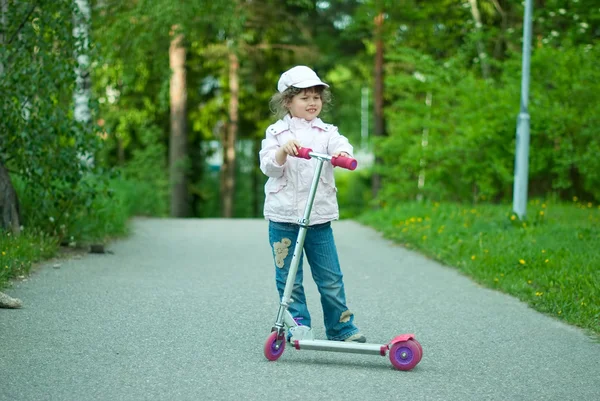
(300, 333)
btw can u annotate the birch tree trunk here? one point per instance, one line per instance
(81, 30)
(229, 156)
(482, 54)
(178, 146)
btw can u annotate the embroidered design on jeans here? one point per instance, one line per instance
(345, 318)
(280, 250)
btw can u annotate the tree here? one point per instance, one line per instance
(178, 142)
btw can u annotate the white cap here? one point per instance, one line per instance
(299, 77)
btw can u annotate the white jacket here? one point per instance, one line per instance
(286, 191)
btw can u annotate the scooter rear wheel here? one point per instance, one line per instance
(405, 355)
(274, 346)
(420, 347)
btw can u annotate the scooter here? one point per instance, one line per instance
(404, 350)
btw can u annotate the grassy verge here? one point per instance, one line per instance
(551, 260)
(108, 219)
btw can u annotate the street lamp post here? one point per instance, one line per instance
(522, 146)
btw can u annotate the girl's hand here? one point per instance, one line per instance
(343, 154)
(291, 147)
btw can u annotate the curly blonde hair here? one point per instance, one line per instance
(280, 100)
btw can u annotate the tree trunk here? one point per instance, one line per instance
(83, 82)
(378, 97)
(9, 204)
(228, 180)
(178, 147)
(482, 54)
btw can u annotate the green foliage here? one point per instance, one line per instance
(549, 261)
(457, 130)
(42, 145)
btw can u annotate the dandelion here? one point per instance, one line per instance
(473, 257)
(583, 303)
(547, 260)
(496, 279)
(575, 199)
(3, 253)
(543, 251)
(541, 213)
(543, 205)
(559, 312)
(539, 294)
(513, 217)
(524, 225)
(522, 261)
(529, 281)
(424, 237)
(590, 204)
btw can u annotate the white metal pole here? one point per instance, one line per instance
(522, 146)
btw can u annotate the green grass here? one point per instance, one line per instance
(106, 219)
(551, 260)
(17, 254)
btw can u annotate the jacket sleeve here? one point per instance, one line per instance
(338, 143)
(268, 164)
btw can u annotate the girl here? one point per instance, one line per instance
(298, 103)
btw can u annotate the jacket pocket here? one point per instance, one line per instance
(326, 197)
(277, 196)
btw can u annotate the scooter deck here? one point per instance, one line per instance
(340, 346)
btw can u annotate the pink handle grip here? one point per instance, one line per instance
(344, 162)
(303, 153)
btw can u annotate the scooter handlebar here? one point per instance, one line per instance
(338, 161)
(344, 162)
(304, 153)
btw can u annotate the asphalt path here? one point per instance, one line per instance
(181, 309)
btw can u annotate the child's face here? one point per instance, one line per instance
(306, 104)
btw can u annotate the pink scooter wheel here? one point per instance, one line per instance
(274, 347)
(405, 355)
(420, 347)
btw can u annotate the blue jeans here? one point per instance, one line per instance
(320, 250)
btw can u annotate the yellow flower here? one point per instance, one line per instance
(539, 294)
(547, 260)
(522, 261)
(524, 225)
(529, 281)
(6, 267)
(3, 253)
(589, 204)
(559, 312)
(543, 205)
(575, 199)
(473, 257)
(543, 251)
(424, 237)
(541, 213)
(496, 279)
(513, 217)
(485, 250)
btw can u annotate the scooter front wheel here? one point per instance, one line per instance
(405, 355)
(274, 346)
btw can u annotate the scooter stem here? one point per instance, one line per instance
(291, 278)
